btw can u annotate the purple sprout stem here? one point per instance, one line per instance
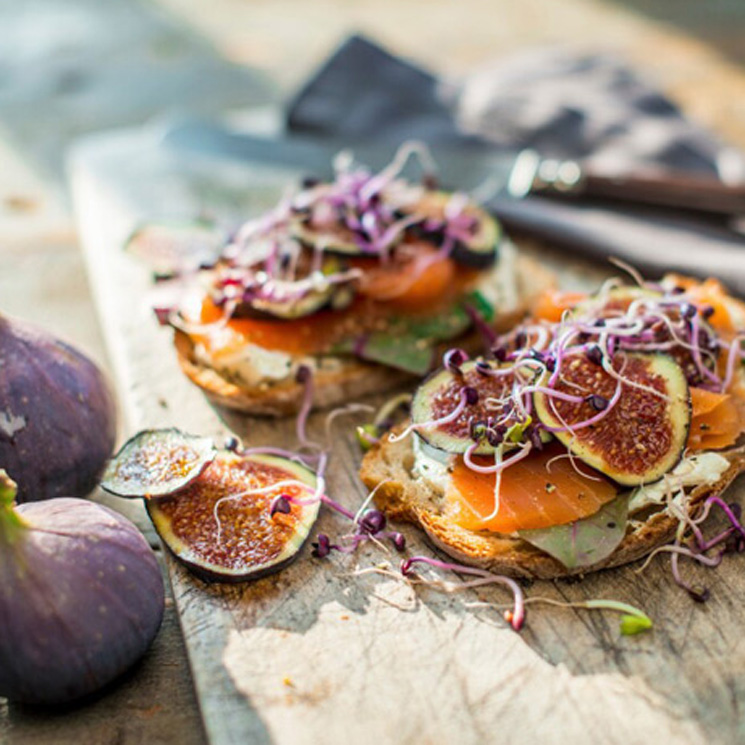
(592, 420)
(732, 356)
(280, 452)
(486, 332)
(704, 546)
(678, 550)
(516, 618)
(337, 507)
(696, 353)
(719, 502)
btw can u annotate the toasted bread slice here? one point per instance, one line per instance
(389, 466)
(350, 378)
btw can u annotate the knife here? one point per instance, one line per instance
(473, 166)
(567, 179)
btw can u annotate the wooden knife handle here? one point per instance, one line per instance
(566, 179)
(700, 193)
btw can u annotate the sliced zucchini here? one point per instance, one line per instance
(338, 239)
(478, 251)
(288, 304)
(639, 439)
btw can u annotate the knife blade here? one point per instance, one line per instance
(494, 173)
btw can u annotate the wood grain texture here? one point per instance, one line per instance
(316, 653)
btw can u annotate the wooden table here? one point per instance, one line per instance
(155, 703)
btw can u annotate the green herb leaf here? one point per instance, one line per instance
(437, 328)
(405, 352)
(408, 343)
(481, 305)
(584, 542)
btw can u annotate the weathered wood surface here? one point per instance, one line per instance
(317, 653)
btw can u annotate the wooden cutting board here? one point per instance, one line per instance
(317, 654)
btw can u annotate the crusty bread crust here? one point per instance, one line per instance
(352, 378)
(403, 496)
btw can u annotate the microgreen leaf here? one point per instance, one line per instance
(516, 432)
(633, 621)
(631, 625)
(367, 435)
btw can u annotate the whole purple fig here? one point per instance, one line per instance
(81, 597)
(57, 414)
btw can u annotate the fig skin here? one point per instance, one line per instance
(81, 599)
(57, 414)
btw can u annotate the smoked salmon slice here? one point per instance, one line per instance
(715, 420)
(534, 493)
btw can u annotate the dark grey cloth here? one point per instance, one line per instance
(364, 92)
(590, 107)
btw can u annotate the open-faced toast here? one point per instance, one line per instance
(337, 379)
(636, 395)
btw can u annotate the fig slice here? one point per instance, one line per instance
(617, 302)
(614, 302)
(171, 248)
(157, 462)
(486, 421)
(243, 518)
(635, 440)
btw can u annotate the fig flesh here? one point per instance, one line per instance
(57, 414)
(485, 421)
(634, 440)
(243, 518)
(173, 248)
(81, 597)
(667, 326)
(157, 462)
